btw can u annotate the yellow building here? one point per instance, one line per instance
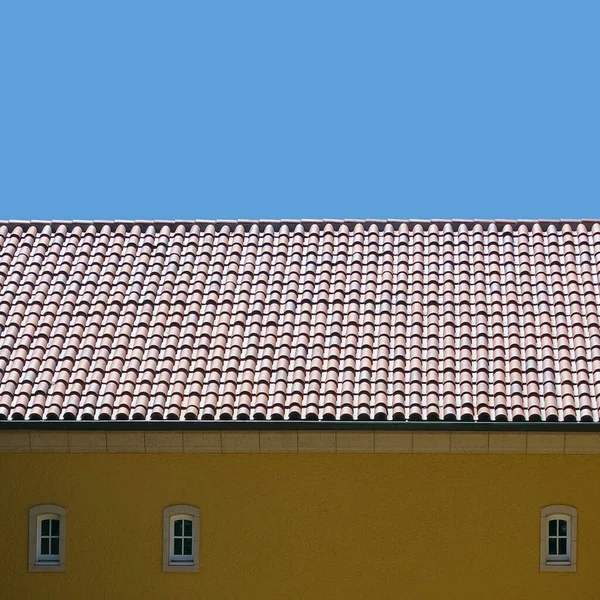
(299, 410)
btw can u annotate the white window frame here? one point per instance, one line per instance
(46, 563)
(185, 563)
(180, 558)
(552, 562)
(52, 559)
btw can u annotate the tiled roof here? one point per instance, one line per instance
(300, 320)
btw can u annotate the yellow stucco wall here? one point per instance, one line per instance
(303, 526)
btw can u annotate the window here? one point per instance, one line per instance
(182, 540)
(181, 536)
(47, 524)
(48, 537)
(558, 538)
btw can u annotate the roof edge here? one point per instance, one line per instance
(277, 223)
(455, 426)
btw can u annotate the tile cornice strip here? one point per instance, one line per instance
(298, 442)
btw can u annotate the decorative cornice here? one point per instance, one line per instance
(299, 442)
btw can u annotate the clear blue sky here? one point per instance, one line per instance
(285, 109)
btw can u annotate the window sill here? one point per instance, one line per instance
(42, 567)
(181, 567)
(558, 566)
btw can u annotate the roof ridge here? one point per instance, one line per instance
(276, 223)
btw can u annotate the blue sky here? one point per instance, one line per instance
(371, 109)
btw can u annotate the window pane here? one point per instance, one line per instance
(188, 527)
(46, 527)
(177, 546)
(55, 523)
(178, 527)
(45, 549)
(552, 546)
(562, 545)
(552, 527)
(562, 527)
(187, 546)
(54, 546)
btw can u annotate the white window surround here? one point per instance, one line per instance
(182, 563)
(558, 563)
(52, 562)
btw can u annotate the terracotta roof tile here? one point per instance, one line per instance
(300, 320)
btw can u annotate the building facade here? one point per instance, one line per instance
(299, 409)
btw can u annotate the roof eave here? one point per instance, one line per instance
(279, 425)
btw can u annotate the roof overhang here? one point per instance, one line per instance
(247, 425)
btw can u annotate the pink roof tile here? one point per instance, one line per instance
(350, 320)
